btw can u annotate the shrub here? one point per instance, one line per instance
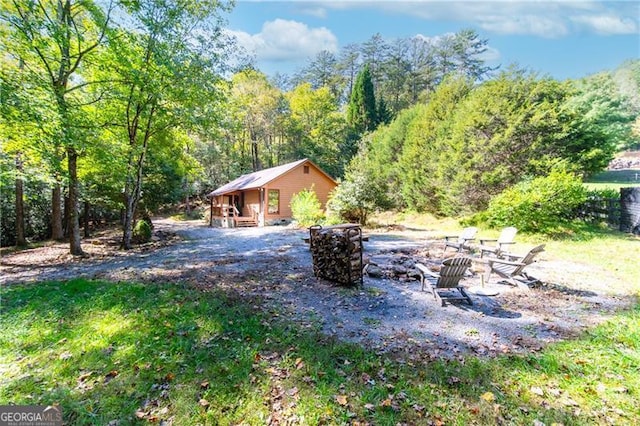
(603, 194)
(142, 231)
(306, 208)
(538, 205)
(357, 196)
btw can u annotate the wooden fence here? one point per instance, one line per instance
(601, 210)
(623, 212)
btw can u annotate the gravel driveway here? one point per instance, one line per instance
(387, 315)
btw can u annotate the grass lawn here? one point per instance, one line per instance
(135, 353)
(614, 179)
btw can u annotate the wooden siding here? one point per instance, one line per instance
(251, 203)
(295, 181)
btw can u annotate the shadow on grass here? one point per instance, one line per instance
(585, 231)
(133, 353)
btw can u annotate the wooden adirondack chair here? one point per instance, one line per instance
(448, 279)
(504, 240)
(512, 269)
(461, 242)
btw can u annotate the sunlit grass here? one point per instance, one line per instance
(139, 353)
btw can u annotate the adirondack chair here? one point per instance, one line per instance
(505, 239)
(512, 269)
(448, 279)
(461, 242)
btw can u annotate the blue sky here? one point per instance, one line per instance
(563, 39)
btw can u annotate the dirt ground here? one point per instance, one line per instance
(388, 314)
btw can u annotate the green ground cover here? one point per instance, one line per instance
(147, 352)
(614, 179)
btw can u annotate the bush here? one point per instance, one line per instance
(306, 208)
(541, 205)
(603, 194)
(142, 231)
(355, 197)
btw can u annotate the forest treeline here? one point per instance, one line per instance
(113, 110)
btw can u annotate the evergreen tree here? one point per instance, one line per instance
(361, 112)
(383, 114)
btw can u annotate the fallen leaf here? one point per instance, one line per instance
(369, 407)
(169, 377)
(488, 396)
(110, 375)
(386, 402)
(299, 363)
(84, 376)
(554, 391)
(204, 384)
(141, 414)
(569, 402)
(536, 391)
(204, 403)
(65, 355)
(341, 399)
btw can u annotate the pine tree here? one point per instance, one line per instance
(361, 112)
(383, 115)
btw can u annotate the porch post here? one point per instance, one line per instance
(211, 212)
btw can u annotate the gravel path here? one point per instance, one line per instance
(387, 315)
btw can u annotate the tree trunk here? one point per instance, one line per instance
(127, 226)
(132, 193)
(20, 235)
(65, 220)
(255, 160)
(87, 216)
(75, 247)
(187, 201)
(56, 212)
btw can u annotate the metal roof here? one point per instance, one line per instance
(259, 179)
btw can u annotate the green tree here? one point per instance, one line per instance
(356, 197)
(361, 111)
(601, 119)
(54, 40)
(306, 208)
(322, 71)
(374, 53)
(256, 107)
(317, 126)
(168, 69)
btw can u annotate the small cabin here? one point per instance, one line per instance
(263, 198)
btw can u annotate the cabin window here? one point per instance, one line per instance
(305, 170)
(274, 201)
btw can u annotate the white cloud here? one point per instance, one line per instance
(490, 55)
(283, 40)
(552, 18)
(607, 24)
(542, 26)
(316, 12)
